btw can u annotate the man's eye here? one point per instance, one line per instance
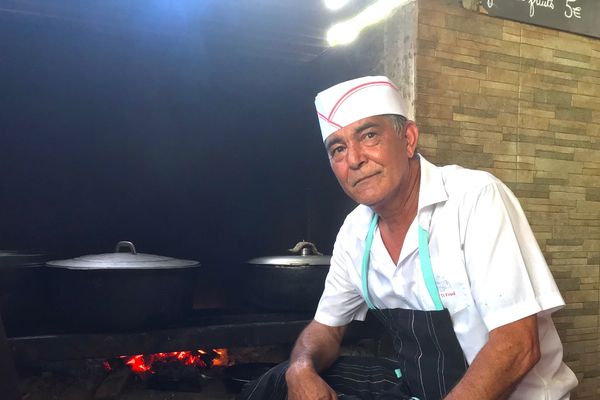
(370, 135)
(337, 150)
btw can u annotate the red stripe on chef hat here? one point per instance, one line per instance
(329, 121)
(352, 91)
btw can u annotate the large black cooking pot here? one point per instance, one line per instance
(21, 289)
(122, 290)
(291, 282)
(17, 266)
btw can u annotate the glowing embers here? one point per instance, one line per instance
(150, 364)
(180, 371)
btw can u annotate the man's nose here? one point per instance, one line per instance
(356, 157)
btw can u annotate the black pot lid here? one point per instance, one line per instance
(291, 260)
(123, 261)
(307, 254)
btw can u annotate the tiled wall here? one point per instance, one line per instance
(522, 102)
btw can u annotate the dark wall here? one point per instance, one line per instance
(110, 133)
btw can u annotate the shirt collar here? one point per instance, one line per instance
(431, 188)
(431, 191)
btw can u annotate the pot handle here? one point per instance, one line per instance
(305, 249)
(127, 244)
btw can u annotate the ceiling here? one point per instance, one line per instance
(287, 32)
(190, 101)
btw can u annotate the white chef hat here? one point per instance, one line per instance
(349, 101)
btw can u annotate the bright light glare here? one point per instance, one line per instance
(334, 5)
(342, 33)
(347, 31)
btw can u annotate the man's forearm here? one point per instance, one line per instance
(511, 352)
(316, 349)
(318, 346)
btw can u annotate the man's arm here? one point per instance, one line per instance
(317, 347)
(511, 351)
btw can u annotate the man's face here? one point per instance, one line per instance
(371, 160)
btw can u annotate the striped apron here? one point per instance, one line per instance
(428, 358)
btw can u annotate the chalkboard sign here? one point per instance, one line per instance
(577, 16)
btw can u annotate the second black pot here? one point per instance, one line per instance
(287, 283)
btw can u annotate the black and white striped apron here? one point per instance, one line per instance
(428, 361)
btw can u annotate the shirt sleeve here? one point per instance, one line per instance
(509, 277)
(341, 301)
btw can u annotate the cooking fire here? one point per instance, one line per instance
(143, 364)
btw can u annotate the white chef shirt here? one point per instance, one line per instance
(487, 265)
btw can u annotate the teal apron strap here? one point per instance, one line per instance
(365, 261)
(427, 270)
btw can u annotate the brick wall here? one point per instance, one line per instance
(522, 102)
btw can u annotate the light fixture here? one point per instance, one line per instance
(347, 31)
(335, 5)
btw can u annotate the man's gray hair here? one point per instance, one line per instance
(399, 122)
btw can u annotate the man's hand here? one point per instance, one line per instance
(305, 383)
(317, 347)
(511, 351)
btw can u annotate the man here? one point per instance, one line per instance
(443, 256)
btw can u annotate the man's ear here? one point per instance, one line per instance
(411, 134)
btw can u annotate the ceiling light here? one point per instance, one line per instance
(347, 31)
(334, 5)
